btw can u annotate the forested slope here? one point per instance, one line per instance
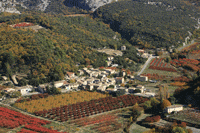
(50, 52)
(190, 94)
(150, 25)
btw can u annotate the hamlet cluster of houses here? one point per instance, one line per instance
(99, 79)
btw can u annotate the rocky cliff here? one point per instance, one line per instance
(42, 5)
(88, 4)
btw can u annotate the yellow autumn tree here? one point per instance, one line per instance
(165, 103)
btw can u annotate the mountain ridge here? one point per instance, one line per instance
(49, 5)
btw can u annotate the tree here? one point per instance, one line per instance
(15, 94)
(137, 91)
(122, 84)
(120, 92)
(34, 82)
(22, 82)
(168, 59)
(154, 102)
(178, 130)
(111, 86)
(147, 105)
(165, 103)
(72, 80)
(172, 100)
(163, 92)
(136, 112)
(52, 90)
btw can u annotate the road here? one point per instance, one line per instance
(146, 63)
(180, 48)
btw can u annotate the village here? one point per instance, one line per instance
(109, 79)
(153, 82)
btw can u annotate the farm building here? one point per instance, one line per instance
(142, 78)
(174, 108)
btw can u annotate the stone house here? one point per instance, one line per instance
(174, 108)
(140, 87)
(70, 74)
(119, 80)
(81, 72)
(123, 47)
(25, 91)
(58, 84)
(142, 78)
(111, 90)
(110, 58)
(8, 90)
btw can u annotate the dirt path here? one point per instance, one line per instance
(135, 128)
(76, 15)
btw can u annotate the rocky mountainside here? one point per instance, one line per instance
(88, 4)
(50, 5)
(10, 5)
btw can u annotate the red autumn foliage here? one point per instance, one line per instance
(191, 64)
(41, 129)
(12, 119)
(152, 119)
(158, 64)
(23, 24)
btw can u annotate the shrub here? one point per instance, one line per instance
(172, 100)
(137, 91)
(183, 124)
(178, 130)
(189, 131)
(152, 119)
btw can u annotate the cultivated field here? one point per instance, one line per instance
(58, 100)
(90, 108)
(188, 115)
(158, 67)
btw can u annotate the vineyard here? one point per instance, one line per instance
(48, 102)
(89, 108)
(188, 115)
(101, 124)
(159, 64)
(181, 79)
(37, 129)
(191, 64)
(11, 119)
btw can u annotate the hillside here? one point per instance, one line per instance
(190, 95)
(63, 43)
(150, 25)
